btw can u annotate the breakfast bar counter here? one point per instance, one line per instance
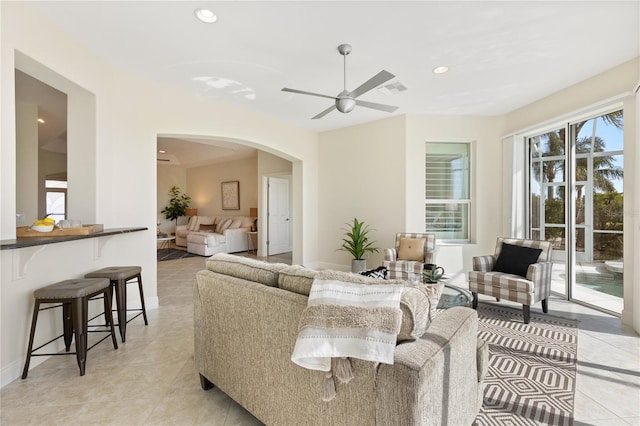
(28, 263)
(22, 242)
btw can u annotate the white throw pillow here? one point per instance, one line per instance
(224, 226)
(235, 223)
(247, 222)
(193, 223)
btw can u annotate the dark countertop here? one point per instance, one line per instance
(39, 241)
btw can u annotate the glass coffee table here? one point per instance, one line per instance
(454, 296)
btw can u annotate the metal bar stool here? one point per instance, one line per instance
(119, 276)
(73, 296)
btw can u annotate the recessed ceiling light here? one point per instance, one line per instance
(162, 151)
(440, 70)
(40, 120)
(205, 15)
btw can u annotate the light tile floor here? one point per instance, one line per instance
(151, 379)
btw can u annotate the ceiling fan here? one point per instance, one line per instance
(346, 101)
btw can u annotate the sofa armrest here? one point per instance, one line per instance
(434, 377)
(237, 239)
(482, 358)
(540, 274)
(181, 228)
(390, 254)
(483, 263)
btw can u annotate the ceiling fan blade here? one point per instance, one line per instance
(302, 92)
(325, 112)
(373, 105)
(372, 83)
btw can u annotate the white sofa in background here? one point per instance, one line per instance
(208, 235)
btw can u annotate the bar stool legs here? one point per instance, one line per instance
(120, 277)
(73, 296)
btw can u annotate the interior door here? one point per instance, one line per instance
(279, 218)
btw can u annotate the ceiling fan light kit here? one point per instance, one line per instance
(346, 101)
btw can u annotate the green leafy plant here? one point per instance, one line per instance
(356, 240)
(178, 204)
(433, 275)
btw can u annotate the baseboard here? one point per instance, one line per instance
(10, 372)
(13, 370)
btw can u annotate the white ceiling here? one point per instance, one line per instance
(502, 55)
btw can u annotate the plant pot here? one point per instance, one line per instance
(358, 265)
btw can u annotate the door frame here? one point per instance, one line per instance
(263, 219)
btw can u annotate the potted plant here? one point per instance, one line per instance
(432, 275)
(356, 242)
(178, 204)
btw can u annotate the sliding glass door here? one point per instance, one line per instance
(576, 201)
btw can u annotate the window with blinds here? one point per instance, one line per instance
(447, 182)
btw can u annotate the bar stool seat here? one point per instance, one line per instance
(119, 277)
(73, 296)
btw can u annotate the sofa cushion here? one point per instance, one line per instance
(411, 249)
(516, 259)
(245, 268)
(414, 302)
(297, 279)
(223, 226)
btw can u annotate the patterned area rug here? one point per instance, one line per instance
(532, 368)
(170, 254)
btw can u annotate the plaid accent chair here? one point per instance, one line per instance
(536, 287)
(409, 269)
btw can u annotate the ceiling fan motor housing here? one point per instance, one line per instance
(345, 102)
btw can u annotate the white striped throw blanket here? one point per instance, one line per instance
(345, 319)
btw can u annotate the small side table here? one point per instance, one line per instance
(165, 242)
(252, 242)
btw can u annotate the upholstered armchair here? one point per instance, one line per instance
(406, 260)
(519, 271)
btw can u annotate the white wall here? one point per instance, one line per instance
(362, 175)
(114, 171)
(27, 169)
(168, 177)
(375, 172)
(205, 186)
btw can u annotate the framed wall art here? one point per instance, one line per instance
(231, 195)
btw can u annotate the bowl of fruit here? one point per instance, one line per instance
(43, 225)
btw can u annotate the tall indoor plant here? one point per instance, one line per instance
(356, 241)
(178, 204)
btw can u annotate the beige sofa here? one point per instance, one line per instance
(208, 235)
(246, 315)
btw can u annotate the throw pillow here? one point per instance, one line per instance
(380, 272)
(235, 223)
(411, 249)
(193, 223)
(224, 226)
(207, 228)
(516, 259)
